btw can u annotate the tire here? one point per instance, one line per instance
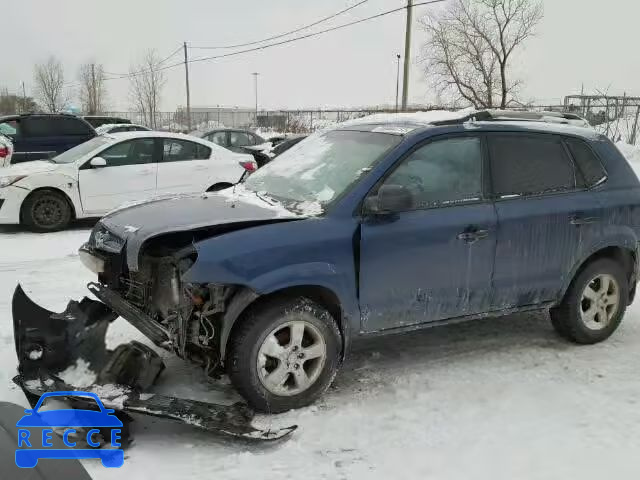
(46, 211)
(574, 318)
(218, 186)
(303, 380)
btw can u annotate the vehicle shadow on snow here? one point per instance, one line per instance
(387, 358)
(378, 362)
(82, 224)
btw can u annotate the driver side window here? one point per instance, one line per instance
(131, 152)
(442, 173)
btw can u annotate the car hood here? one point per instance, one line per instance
(138, 223)
(29, 168)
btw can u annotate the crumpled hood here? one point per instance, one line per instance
(28, 168)
(141, 222)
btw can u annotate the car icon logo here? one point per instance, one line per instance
(35, 433)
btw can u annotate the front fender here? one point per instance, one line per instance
(317, 274)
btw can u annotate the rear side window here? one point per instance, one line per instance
(591, 168)
(529, 165)
(10, 128)
(181, 150)
(55, 126)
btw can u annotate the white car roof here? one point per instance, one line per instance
(120, 136)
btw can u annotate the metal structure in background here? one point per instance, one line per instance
(615, 116)
(618, 117)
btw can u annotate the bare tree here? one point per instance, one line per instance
(147, 81)
(470, 48)
(49, 84)
(92, 88)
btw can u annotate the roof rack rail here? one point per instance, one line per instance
(519, 116)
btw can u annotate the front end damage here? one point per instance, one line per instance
(185, 319)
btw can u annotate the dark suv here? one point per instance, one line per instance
(373, 229)
(43, 136)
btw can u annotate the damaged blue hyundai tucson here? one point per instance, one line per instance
(362, 230)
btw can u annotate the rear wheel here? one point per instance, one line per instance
(284, 354)
(46, 211)
(594, 304)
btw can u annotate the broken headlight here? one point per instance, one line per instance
(103, 239)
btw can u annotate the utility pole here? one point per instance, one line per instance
(92, 92)
(398, 83)
(407, 55)
(186, 75)
(24, 99)
(255, 75)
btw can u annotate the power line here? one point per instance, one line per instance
(275, 37)
(143, 71)
(291, 40)
(283, 42)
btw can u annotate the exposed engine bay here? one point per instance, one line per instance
(183, 318)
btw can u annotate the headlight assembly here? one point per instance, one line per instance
(104, 240)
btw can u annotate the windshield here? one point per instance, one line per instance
(322, 167)
(81, 150)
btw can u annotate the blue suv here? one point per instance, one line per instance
(374, 229)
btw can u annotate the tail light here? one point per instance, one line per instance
(4, 152)
(250, 166)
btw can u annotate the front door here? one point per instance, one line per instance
(435, 260)
(129, 176)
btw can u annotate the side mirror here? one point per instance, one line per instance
(98, 162)
(390, 198)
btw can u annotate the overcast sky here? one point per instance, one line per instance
(578, 41)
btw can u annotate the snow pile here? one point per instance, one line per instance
(412, 117)
(112, 396)
(632, 154)
(78, 375)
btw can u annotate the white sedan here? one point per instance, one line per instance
(110, 170)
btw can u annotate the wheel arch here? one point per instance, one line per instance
(246, 299)
(626, 253)
(50, 189)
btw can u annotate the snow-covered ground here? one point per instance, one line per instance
(493, 399)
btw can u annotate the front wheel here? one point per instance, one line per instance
(594, 304)
(46, 211)
(284, 354)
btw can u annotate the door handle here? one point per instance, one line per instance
(145, 172)
(472, 236)
(579, 220)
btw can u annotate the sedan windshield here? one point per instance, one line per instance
(321, 168)
(81, 150)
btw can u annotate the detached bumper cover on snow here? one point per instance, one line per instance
(48, 343)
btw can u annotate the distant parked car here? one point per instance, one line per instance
(42, 136)
(120, 127)
(99, 120)
(233, 140)
(6, 150)
(263, 156)
(110, 170)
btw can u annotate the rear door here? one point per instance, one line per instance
(435, 260)
(185, 167)
(544, 209)
(130, 175)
